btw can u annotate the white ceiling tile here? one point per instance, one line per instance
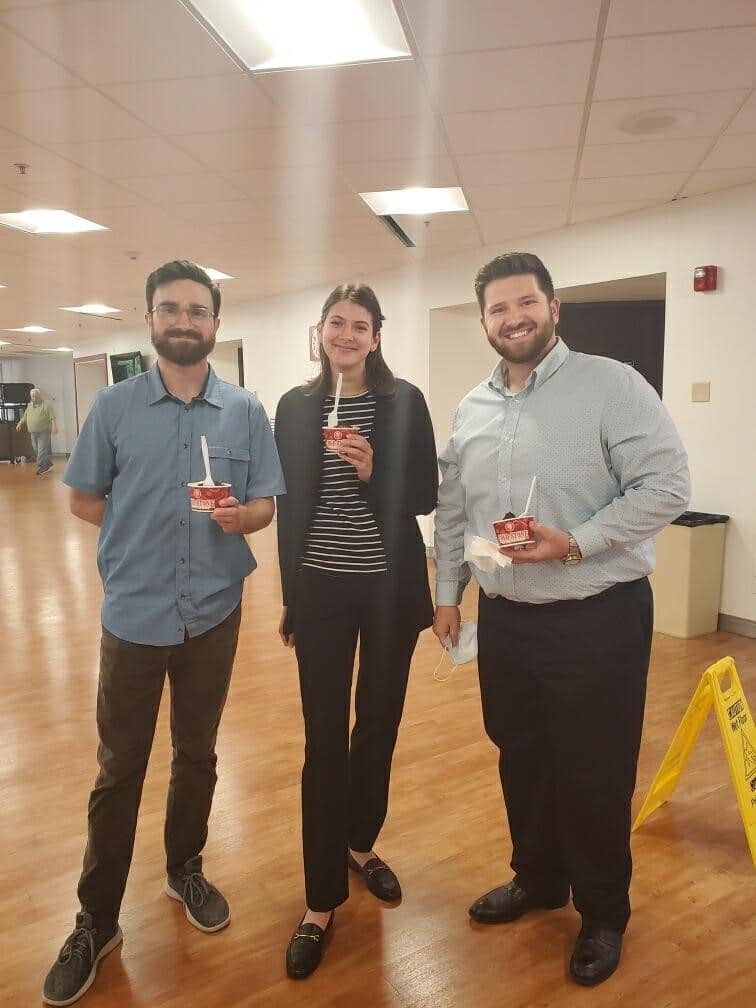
(459, 25)
(513, 195)
(711, 181)
(113, 41)
(167, 189)
(132, 158)
(732, 152)
(594, 211)
(682, 62)
(745, 120)
(499, 226)
(321, 181)
(630, 187)
(66, 116)
(511, 78)
(644, 17)
(85, 192)
(383, 139)
(8, 139)
(373, 176)
(649, 157)
(711, 111)
(201, 104)
(445, 231)
(343, 94)
(24, 68)
(250, 149)
(522, 166)
(514, 129)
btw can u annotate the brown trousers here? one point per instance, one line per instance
(130, 687)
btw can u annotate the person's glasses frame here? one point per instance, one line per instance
(196, 314)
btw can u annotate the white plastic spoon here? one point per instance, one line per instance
(208, 480)
(332, 419)
(530, 497)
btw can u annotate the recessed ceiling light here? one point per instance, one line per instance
(288, 34)
(31, 329)
(417, 201)
(661, 120)
(64, 349)
(4, 342)
(91, 309)
(43, 222)
(217, 275)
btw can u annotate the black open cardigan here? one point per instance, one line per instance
(404, 484)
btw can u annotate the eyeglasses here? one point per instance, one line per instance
(172, 313)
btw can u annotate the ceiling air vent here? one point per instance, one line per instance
(395, 229)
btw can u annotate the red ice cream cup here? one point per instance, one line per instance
(204, 498)
(515, 533)
(333, 436)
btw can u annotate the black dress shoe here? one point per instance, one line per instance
(507, 903)
(305, 949)
(596, 956)
(379, 879)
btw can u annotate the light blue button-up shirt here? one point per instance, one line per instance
(166, 569)
(610, 469)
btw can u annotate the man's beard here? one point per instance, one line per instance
(529, 350)
(186, 352)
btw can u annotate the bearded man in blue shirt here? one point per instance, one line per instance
(564, 631)
(173, 581)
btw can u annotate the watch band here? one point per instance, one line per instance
(574, 555)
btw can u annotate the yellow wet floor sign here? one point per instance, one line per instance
(738, 735)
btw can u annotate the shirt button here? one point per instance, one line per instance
(183, 482)
(186, 445)
(186, 409)
(183, 596)
(182, 560)
(182, 522)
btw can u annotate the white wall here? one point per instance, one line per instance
(709, 337)
(52, 374)
(225, 361)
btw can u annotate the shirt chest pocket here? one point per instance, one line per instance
(230, 465)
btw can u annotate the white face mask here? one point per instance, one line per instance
(465, 651)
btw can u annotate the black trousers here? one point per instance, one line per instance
(345, 786)
(128, 699)
(563, 688)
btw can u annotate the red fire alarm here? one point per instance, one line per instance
(705, 278)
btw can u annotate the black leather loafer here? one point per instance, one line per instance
(379, 879)
(305, 949)
(596, 956)
(508, 902)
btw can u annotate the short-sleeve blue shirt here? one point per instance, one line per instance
(168, 570)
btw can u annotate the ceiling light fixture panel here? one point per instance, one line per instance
(46, 222)
(263, 36)
(416, 201)
(91, 309)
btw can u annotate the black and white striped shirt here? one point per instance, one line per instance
(344, 537)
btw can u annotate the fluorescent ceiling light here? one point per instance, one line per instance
(31, 329)
(49, 222)
(217, 275)
(416, 201)
(287, 34)
(91, 309)
(64, 349)
(4, 342)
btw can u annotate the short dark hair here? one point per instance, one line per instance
(181, 269)
(378, 375)
(513, 264)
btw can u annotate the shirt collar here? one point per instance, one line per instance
(156, 390)
(540, 373)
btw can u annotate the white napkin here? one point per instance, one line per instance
(485, 554)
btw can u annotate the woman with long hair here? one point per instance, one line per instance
(353, 567)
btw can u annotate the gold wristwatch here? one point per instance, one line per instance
(574, 555)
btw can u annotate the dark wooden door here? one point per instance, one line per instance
(628, 331)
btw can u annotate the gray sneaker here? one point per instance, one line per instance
(205, 907)
(74, 970)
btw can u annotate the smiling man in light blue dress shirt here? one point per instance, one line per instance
(564, 632)
(173, 584)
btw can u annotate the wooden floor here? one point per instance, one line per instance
(692, 939)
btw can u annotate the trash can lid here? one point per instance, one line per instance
(693, 518)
